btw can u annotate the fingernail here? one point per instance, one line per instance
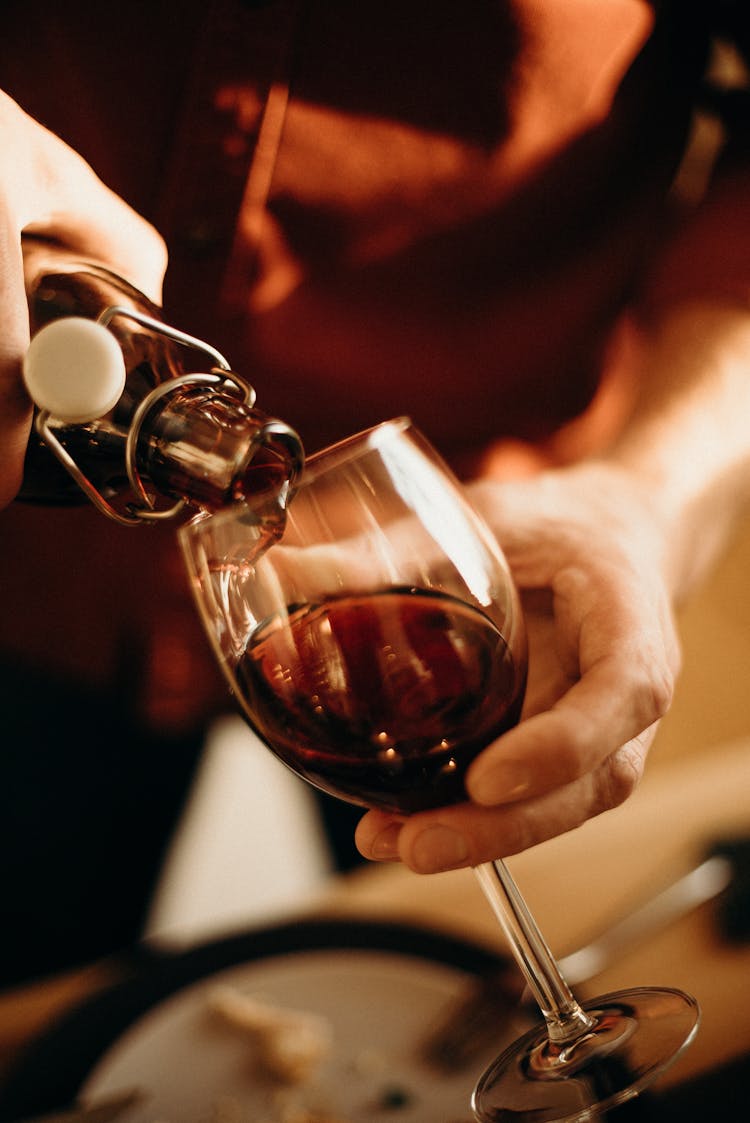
(503, 783)
(438, 848)
(385, 844)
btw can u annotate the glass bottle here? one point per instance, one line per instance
(143, 419)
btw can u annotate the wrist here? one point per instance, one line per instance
(685, 447)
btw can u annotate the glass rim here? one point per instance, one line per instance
(369, 439)
(315, 465)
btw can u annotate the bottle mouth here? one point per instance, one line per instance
(273, 467)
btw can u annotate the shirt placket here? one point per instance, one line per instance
(223, 154)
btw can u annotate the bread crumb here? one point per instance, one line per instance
(290, 1044)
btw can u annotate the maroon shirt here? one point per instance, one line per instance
(460, 199)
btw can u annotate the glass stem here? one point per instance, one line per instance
(564, 1017)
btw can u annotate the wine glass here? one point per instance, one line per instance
(372, 635)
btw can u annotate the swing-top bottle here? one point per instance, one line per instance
(146, 420)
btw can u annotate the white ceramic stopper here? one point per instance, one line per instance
(74, 369)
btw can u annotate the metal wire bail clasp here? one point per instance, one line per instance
(144, 510)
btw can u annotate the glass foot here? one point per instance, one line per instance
(635, 1036)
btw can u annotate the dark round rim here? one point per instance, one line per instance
(53, 1068)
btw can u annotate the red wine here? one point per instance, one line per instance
(382, 699)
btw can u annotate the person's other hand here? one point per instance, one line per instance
(587, 555)
(49, 191)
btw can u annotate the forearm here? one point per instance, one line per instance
(686, 446)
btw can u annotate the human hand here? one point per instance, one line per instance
(587, 554)
(47, 190)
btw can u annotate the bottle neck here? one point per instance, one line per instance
(206, 447)
(174, 437)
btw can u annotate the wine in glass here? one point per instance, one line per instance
(372, 635)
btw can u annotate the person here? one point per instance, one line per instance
(493, 223)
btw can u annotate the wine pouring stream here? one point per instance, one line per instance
(363, 615)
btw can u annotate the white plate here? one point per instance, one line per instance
(192, 1068)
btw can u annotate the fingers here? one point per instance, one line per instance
(549, 774)
(610, 705)
(466, 834)
(603, 660)
(15, 407)
(76, 209)
(627, 660)
(49, 191)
